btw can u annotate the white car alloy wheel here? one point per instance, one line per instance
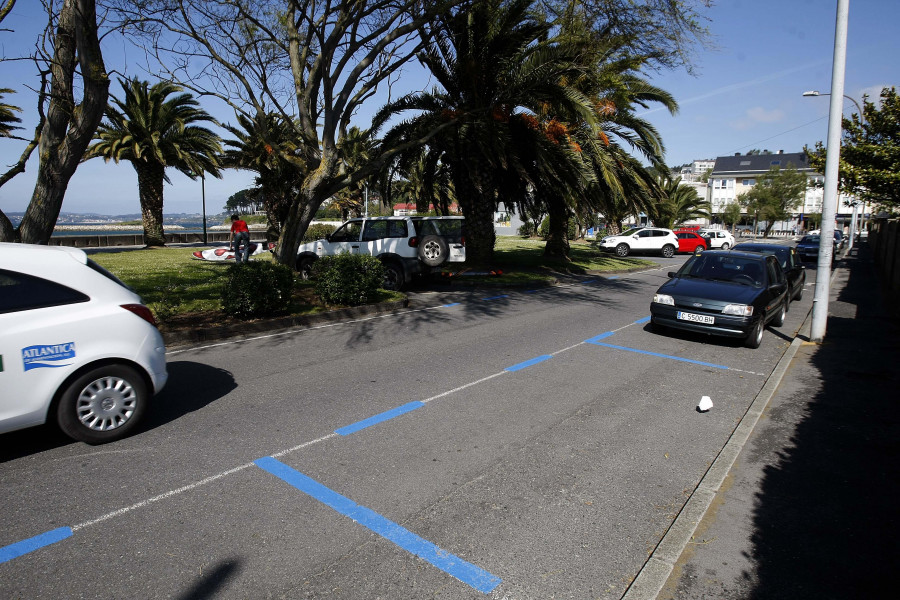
(103, 404)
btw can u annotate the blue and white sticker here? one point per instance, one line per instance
(49, 356)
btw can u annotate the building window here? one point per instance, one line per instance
(748, 181)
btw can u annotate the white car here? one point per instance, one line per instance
(642, 239)
(719, 239)
(77, 347)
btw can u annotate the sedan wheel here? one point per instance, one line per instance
(103, 404)
(725, 246)
(755, 338)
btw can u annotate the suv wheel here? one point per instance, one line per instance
(103, 404)
(433, 250)
(393, 277)
(304, 267)
(668, 251)
(622, 250)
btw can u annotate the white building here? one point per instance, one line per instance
(734, 175)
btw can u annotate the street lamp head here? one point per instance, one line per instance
(811, 93)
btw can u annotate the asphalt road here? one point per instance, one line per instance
(513, 444)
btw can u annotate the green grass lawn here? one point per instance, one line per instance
(175, 286)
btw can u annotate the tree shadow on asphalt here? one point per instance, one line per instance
(190, 387)
(826, 522)
(480, 302)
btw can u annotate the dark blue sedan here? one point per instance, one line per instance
(731, 294)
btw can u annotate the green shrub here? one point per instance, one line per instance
(257, 289)
(349, 279)
(571, 229)
(317, 231)
(526, 230)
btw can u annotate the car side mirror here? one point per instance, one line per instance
(635, 236)
(671, 274)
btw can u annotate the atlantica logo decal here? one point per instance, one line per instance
(50, 356)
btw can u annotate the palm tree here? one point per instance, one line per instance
(681, 203)
(498, 68)
(356, 148)
(268, 146)
(153, 132)
(7, 115)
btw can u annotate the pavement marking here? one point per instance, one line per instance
(454, 566)
(528, 363)
(449, 305)
(611, 277)
(379, 418)
(7, 553)
(642, 321)
(670, 357)
(372, 420)
(496, 297)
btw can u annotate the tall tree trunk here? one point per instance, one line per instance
(150, 190)
(476, 200)
(69, 127)
(314, 191)
(557, 245)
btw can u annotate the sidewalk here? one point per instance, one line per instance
(810, 507)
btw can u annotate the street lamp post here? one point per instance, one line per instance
(829, 205)
(203, 195)
(817, 93)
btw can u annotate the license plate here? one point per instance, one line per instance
(696, 318)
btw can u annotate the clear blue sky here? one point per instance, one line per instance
(746, 94)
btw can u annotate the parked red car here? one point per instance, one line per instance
(688, 241)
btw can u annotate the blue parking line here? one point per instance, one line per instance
(678, 358)
(644, 320)
(597, 338)
(497, 297)
(611, 277)
(588, 281)
(528, 363)
(454, 566)
(7, 553)
(449, 305)
(390, 414)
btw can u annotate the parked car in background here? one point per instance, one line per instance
(808, 248)
(717, 238)
(789, 260)
(406, 246)
(688, 241)
(77, 347)
(732, 294)
(642, 239)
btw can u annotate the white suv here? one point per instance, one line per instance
(642, 239)
(717, 238)
(77, 347)
(405, 245)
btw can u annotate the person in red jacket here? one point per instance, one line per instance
(240, 234)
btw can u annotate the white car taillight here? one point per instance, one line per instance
(141, 311)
